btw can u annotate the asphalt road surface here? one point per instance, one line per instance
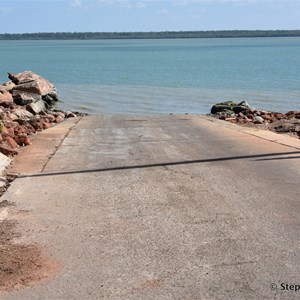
(162, 207)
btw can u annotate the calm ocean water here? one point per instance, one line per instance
(162, 76)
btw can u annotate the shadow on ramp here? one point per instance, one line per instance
(166, 164)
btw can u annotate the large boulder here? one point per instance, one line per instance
(230, 107)
(30, 87)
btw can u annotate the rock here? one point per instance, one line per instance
(69, 114)
(258, 120)
(240, 108)
(49, 100)
(279, 116)
(25, 107)
(46, 124)
(291, 113)
(30, 87)
(230, 119)
(22, 140)
(5, 96)
(51, 118)
(223, 106)
(24, 98)
(269, 118)
(284, 128)
(244, 103)
(7, 150)
(8, 86)
(36, 123)
(230, 106)
(36, 107)
(22, 113)
(11, 142)
(59, 119)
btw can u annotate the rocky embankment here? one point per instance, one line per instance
(243, 114)
(27, 104)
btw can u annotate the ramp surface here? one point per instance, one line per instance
(168, 207)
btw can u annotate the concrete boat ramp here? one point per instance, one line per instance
(156, 207)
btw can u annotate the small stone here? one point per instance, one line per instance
(59, 119)
(61, 114)
(244, 103)
(258, 120)
(69, 114)
(46, 124)
(51, 118)
(22, 140)
(230, 119)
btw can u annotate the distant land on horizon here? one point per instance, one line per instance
(148, 35)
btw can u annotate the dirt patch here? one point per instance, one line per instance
(20, 265)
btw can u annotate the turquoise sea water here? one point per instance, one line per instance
(162, 76)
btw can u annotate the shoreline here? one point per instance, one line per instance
(150, 35)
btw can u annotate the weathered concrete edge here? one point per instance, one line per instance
(33, 158)
(264, 134)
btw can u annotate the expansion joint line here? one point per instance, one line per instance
(57, 147)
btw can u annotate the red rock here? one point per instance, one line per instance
(6, 96)
(51, 118)
(268, 118)
(59, 113)
(11, 142)
(292, 113)
(18, 130)
(8, 86)
(279, 116)
(59, 119)
(13, 105)
(22, 140)
(5, 132)
(46, 124)
(7, 150)
(29, 129)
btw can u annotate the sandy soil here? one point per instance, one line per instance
(20, 265)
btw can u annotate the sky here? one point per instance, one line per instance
(22, 16)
